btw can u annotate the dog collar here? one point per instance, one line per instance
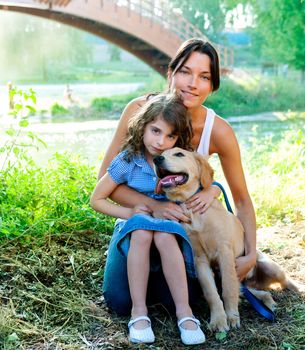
(199, 189)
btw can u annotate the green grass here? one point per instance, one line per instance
(36, 202)
(256, 94)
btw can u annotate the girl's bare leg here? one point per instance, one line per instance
(174, 271)
(138, 273)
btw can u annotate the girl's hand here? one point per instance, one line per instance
(243, 265)
(140, 209)
(169, 211)
(202, 200)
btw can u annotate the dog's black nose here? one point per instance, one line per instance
(158, 160)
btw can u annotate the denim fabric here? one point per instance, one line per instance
(146, 222)
(115, 286)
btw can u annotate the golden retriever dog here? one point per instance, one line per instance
(217, 237)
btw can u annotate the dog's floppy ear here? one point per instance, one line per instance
(205, 170)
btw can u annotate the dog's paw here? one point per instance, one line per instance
(301, 287)
(233, 319)
(270, 303)
(219, 323)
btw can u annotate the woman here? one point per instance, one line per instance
(194, 74)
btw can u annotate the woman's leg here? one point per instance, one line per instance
(159, 293)
(115, 284)
(175, 274)
(138, 271)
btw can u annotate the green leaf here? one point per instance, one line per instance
(221, 335)
(10, 132)
(18, 107)
(23, 123)
(16, 151)
(13, 113)
(30, 108)
(13, 337)
(287, 346)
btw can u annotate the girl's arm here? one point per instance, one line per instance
(124, 195)
(99, 201)
(224, 143)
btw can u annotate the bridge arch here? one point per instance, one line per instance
(149, 31)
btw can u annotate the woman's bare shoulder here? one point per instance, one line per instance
(132, 107)
(137, 102)
(223, 137)
(222, 126)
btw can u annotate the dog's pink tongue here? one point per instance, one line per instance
(168, 181)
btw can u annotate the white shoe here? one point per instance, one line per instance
(145, 335)
(191, 336)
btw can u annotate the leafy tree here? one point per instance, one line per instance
(280, 25)
(207, 15)
(38, 47)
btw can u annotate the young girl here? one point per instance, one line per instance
(159, 125)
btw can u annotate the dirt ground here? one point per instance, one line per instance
(50, 299)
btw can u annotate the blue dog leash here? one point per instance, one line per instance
(261, 308)
(224, 195)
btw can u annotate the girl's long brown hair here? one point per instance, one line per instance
(171, 109)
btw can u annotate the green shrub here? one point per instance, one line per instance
(37, 201)
(256, 95)
(102, 104)
(57, 110)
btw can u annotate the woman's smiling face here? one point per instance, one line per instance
(193, 80)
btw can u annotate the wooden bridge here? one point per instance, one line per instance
(149, 29)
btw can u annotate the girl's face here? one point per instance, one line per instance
(158, 136)
(193, 81)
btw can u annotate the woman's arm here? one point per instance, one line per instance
(202, 200)
(224, 143)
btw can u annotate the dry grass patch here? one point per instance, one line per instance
(51, 299)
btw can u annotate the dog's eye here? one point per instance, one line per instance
(179, 154)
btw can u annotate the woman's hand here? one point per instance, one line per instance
(202, 200)
(243, 265)
(169, 211)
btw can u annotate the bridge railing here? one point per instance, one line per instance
(171, 19)
(158, 11)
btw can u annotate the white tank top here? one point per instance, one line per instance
(204, 144)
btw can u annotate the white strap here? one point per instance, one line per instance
(204, 143)
(188, 319)
(140, 318)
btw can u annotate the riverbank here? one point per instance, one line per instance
(80, 94)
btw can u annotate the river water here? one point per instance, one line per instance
(90, 139)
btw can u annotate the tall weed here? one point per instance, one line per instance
(277, 180)
(36, 201)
